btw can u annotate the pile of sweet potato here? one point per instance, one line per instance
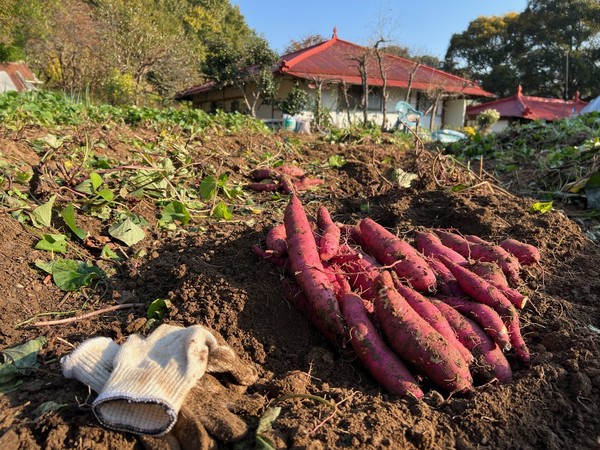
(442, 307)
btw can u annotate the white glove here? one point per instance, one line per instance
(143, 383)
(151, 378)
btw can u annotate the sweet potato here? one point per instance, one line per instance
(446, 282)
(430, 245)
(427, 310)
(526, 254)
(391, 250)
(290, 170)
(276, 240)
(517, 341)
(264, 174)
(491, 362)
(417, 342)
(330, 239)
(351, 233)
(492, 273)
(385, 366)
(304, 183)
(482, 291)
(279, 261)
(362, 270)
(483, 250)
(454, 241)
(263, 187)
(308, 270)
(487, 318)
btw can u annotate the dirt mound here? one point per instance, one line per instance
(327, 399)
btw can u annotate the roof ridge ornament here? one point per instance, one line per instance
(334, 33)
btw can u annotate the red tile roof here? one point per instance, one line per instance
(335, 60)
(528, 107)
(19, 74)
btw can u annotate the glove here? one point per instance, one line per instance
(91, 362)
(143, 384)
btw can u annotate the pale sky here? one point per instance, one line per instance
(423, 26)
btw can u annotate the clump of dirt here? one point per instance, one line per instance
(327, 399)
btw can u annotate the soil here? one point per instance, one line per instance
(211, 277)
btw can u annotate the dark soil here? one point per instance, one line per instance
(211, 277)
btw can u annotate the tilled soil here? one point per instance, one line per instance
(211, 277)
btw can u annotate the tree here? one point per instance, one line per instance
(249, 69)
(550, 49)
(305, 41)
(149, 42)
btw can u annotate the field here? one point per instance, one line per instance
(197, 258)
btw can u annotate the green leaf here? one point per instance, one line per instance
(175, 211)
(336, 161)
(45, 266)
(127, 232)
(106, 194)
(85, 187)
(158, 308)
(48, 407)
(208, 188)
(541, 207)
(108, 253)
(221, 211)
(53, 243)
(71, 275)
(265, 423)
(18, 362)
(459, 187)
(68, 215)
(42, 215)
(96, 180)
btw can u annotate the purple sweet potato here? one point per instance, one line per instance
(390, 250)
(276, 240)
(491, 362)
(305, 264)
(330, 238)
(430, 245)
(446, 282)
(427, 310)
(483, 250)
(492, 273)
(417, 342)
(362, 271)
(385, 366)
(487, 318)
(527, 254)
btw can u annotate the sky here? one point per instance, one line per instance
(424, 26)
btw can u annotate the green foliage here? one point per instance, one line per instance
(295, 102)
(487, 118)
(535, 49)
(70, 274)
(18, 363)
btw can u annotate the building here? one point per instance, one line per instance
(332, 71)
(16, 76)
(524, 108)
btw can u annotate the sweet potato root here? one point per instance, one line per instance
(492, 273)
(417, 342)
(391, 250)
(427, 310)
(276, 240)
(430, 245)
(483, 250)
(491, 362)
(362, 270)
(385, 366)
(487, 318)
(308, 270)
(446, 282)
(330, 238)
(482, 291)
(526, 254)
